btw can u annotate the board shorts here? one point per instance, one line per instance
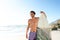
(32, 36)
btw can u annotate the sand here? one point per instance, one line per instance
(19, 34)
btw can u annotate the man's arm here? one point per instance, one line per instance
(27, 29)
(37, 18)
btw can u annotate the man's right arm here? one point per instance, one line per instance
(27, 29)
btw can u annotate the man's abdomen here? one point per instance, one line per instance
(33, 29)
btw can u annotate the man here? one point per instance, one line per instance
(32, 25)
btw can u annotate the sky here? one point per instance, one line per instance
(16, 12)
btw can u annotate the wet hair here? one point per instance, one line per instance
(32, 12)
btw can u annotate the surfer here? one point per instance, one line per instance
(32, 25)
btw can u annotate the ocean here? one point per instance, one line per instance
(13, 28)
(13, 32)
(18, 32)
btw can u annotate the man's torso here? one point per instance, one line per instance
(33, 24)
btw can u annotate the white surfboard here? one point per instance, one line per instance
(42, 23)
(43, 29)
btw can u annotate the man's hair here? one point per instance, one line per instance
(32, 12)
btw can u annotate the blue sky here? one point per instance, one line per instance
(16, 12)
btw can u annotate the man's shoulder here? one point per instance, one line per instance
(29, 20)
(37, 17)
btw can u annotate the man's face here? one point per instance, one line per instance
(32, 15)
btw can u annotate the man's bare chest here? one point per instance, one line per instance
(33, 21)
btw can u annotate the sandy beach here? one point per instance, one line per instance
(14, 33)
(5, 35)
(55, 35)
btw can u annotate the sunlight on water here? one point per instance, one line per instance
(12, 33)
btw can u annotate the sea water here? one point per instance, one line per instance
(13, 32)
(18, 32)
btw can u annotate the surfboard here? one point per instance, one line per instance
(43, 33)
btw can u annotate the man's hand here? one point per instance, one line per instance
(26, 35)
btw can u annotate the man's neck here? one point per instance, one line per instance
(33, 17)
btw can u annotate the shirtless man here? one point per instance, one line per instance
(32, 24)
